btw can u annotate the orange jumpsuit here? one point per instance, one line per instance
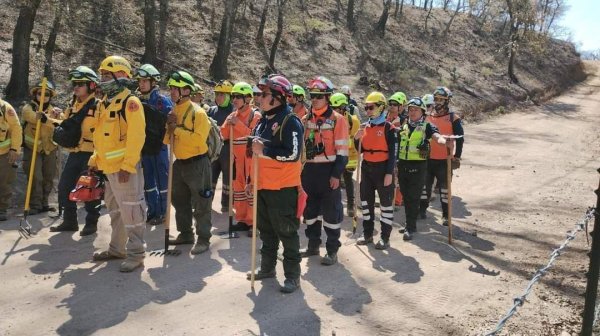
(247, 120)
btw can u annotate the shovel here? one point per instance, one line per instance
(25, 229)
(166, 251)
(352, 238)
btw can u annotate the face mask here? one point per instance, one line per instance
(415, 123)
(110, 88)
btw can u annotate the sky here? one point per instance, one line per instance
(582, 20)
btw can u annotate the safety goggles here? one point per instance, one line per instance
(237, 96)
(142, 73)
(178, 77)
(76, 74)
(316, 96)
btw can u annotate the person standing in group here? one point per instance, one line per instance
(11, 137)
(46, 167)
(156, 167)
(118, 140)
(219, 112)
(241, 122)
(296, 101)
(448, 123)
(397, 117)
(198, 97)
(84, 81)
(379, 145)
(326, 146)
(412, 160)
(278, 145)
(192, 192)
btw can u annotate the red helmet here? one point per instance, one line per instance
(320, 85)
(89, 187)
(279, 84)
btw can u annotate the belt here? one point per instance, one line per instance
(190, 160)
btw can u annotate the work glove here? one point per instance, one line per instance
(455, 163)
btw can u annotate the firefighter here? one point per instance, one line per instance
(448, 123)
(84, 81)
(219, 113)
(257, 97)
(46, 166)
(192, 185)
(397, 117)
(278, 144)
(326, 147)
(296, 101)
(118, 140)
(339, 103)
(243, 120)
(156, 167)
(379, 146)
(429, 103)
(198, 97)
(412, 160)
(11, 137)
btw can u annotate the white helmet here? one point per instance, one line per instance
(346, 90)
(428, 99)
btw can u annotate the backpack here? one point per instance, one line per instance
(68, 133)
(155, 127)
(214, 140)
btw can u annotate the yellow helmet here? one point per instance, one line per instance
(116, 64)
(376, 98)
(223, 86)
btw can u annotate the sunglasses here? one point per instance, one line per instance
(317, 96)
(178, 77)
(265, 94)
(237, 96)
(78, 84)
(370, 107)
(394, 104)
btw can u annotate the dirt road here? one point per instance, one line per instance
(526, 178)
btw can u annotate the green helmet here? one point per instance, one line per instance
(242, 88)
(147, 71)
(338, 99)
(83, 74)
(298, 91)
(398, 97)
(181, 79)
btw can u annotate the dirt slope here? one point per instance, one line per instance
(526, 179)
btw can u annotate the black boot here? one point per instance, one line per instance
(312, 249)
(69, 223)
(89, 228)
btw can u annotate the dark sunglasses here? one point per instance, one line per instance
(265, 94)
(178, 77)
(317, 96)
(78, 84)
(237, 96)
(370, 107)
(394, 104)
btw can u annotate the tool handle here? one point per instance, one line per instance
(449, 195)
(169, 190)
(254, 215)
(36, 138)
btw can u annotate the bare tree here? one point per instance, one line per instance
(51, 42)
(350, 23)
(338, 9)
(519, 12)
(18, 85)
(428, 14)
(452, 18)
(261, 27)
(149, 32)
(275, 45)
(380, 26)
(163, 21)
(445, 4)
(218, 67)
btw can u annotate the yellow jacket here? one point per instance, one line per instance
(118, 143)
(86, 143)
(11, 133)
(352, 152)
(45, 143)
(190, 134)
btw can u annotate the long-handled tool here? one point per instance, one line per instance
(449, 194)
(166, 250)
(230, 233)
(357, 200)
(254, 216)
(25, 228)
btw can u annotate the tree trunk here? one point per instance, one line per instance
(425, 5)
(218, 67)
(401, 7)
(380, 26)
(149, 32)
(451, 19)
(338, 9)
(261, 27)
(51, 42)
(446, 2)
(350, 16)
(18, 85)
(163, 21)
(396, 7)
(427, 17)
(280, 11)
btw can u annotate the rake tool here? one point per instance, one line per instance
(254, 216)
(352, 238)
(25, 229)
(230, 234)
(166, 251)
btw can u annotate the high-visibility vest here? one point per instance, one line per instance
(410, 142)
